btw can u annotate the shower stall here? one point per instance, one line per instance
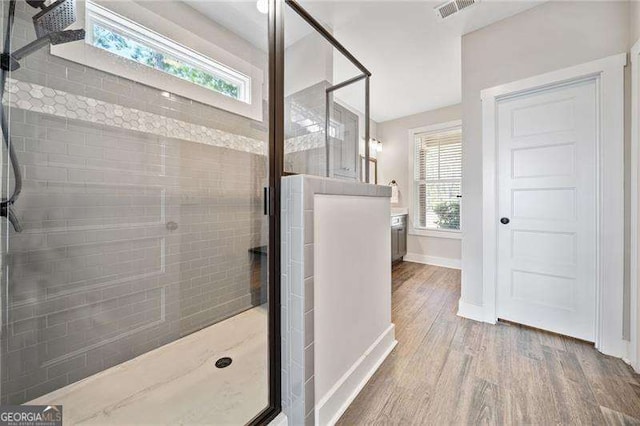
(143, 145)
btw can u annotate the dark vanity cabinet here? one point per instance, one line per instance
(398, 237)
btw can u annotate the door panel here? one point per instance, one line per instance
(554, 160)
(394, 244)
(402, 242)
(547, 189)
(141, 222)
(555, 248)
(345, 143)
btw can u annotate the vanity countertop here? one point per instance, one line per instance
(399, 211)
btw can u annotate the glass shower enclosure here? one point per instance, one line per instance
(138, 141)
(326, 101)
(143, 143)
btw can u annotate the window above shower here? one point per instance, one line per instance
(123, 37)
(134, 41)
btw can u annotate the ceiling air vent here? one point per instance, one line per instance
(452, 7)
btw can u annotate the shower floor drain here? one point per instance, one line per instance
(224, 362)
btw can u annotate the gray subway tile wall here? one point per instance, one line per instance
(132, 238)
(305, 151)
(305, 143)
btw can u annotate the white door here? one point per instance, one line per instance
(547, 194)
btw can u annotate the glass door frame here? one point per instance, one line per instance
(276, 172)
(272, 206)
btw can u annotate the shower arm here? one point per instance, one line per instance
(10, 61)
(30, 48)
(8, 212)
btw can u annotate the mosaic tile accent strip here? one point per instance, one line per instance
(33, 97)
(304, 142)
(37, 98)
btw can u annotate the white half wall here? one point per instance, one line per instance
(393, 164)
(347, 283)
(352, 298)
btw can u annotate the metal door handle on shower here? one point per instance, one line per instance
(7, 211)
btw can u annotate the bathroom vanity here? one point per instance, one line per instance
(398, 236)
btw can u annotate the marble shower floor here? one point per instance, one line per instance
(179, 383)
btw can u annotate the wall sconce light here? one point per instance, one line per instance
(263, 6)
(375, 145)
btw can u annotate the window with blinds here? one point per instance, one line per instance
(438, 179)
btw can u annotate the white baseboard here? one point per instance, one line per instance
(329, 409)
(445, 262)
(280, 420)
(471, 311)
(618, 348)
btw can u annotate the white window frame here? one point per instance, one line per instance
(171, 38)
(413, 229)
(96, 14)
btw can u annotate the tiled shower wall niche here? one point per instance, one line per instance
(138, 219)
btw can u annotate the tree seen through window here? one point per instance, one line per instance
(120, 45)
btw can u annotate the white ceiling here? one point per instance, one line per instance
(415, 58)
(242, 18)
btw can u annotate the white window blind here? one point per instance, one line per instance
(438, 179)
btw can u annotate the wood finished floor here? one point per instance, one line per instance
(449, 370)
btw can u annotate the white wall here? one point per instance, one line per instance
(393, 164)
(307, 61)
(552, 36)
(635, 38)
(634, 16)
(351, 297)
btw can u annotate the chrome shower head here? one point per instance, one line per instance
(55, 17)
(50, 24)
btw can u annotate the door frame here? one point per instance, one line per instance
(634, 305)
(608, 74)
(272, 209)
